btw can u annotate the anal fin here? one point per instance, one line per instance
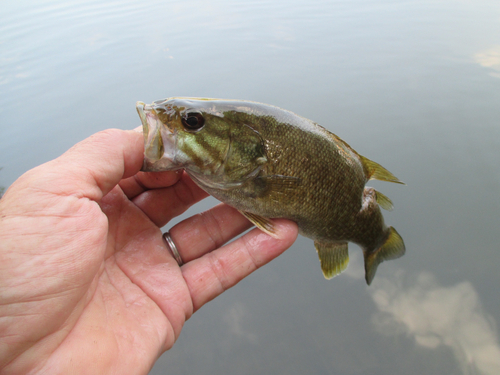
(264, 224)
(333, 257)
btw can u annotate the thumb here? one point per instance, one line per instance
(95, 165)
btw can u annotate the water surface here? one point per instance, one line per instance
(413, 85)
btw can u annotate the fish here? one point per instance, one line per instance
(270, 163)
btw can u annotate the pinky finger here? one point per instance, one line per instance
(212, 274)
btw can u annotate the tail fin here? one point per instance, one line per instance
(392, 248)
(375, 171)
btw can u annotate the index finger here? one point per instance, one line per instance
(143, 181)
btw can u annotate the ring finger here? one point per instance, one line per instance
(207, 231)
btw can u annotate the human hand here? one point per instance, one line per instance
(87, 284)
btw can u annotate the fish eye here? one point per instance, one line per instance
(193, 121)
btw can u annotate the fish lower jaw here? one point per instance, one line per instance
(163, 164)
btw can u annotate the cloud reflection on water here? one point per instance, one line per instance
(436, 315)
(235, 319)
(490, 58)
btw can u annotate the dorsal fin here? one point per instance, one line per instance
(375, 171)
(383, 201)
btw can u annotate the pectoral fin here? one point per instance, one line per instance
(276, 187)
(265, 225)
(333, 256)
(279, 183)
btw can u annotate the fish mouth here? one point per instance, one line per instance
(159, 141)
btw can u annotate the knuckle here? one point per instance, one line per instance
(219, 272)
(212, 228)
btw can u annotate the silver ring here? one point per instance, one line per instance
(173, 249)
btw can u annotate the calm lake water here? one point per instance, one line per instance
(413, 85)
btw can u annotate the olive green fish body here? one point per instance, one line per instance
(270, 163)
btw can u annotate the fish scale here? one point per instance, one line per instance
(271, 163)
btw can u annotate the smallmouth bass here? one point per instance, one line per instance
(271, 163)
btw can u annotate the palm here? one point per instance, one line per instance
(133, 298)
(116, 303)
